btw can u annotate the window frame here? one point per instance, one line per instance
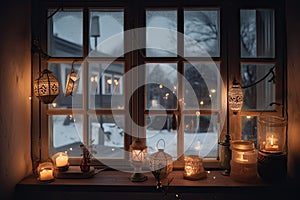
(40, 112)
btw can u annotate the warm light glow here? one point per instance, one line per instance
(109, 81)
(197, 113)
(46, 174)
(54, 105)
(272, 143)
(137, 155)
(213, 90)
(248, 117)
(61, 160)
(201, 103)
(235, 97)
(160, 86)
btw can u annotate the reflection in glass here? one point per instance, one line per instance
(107, 135)
(201, 135)
(249, 128)
(161, 88)
(201, 86)
(162, 127)
(61, 71)
(66, 134)
(65, 33)
(162, 39)
(262, 94)
(201, 30)
(257, 30)
(106, 85)
(106, 26)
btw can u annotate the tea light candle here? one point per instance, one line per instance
(46, 174)
(61, 160)
(271, 143)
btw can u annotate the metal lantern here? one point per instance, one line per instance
(235, 97)
(46, 87)
(137, 160)
(72, 82)
(160, 163)
(272, 155)
(45, 171)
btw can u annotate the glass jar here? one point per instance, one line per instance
(45, 171)
(243, 161)
(193, 168)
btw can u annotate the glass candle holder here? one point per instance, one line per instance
(45, 171)
(243, 161)
(193, 168)
(61, 161)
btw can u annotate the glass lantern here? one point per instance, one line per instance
(193, 168)
(160, 163)
(61, 161)
(243, 161)
(272, 155)
(235, 97)
(45, 171)
(137, 160)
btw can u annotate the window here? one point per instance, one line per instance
(163, 66)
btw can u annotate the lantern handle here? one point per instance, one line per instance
(161, 140)
(284, 112)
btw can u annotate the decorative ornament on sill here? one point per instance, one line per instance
(160, 163)
(235, 97)
(72, 82)
(46, 87)
(87, 156)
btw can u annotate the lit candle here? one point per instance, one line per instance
(46, 174)
(193, 168)
(241, 158)
(272, 144)
(62, 160)
(137, 155)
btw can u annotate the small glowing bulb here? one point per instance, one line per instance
(160, 86)
(29, 98)
(54, 105)
(213, 90)
(201, 103)
(248, 117)
(71, 149)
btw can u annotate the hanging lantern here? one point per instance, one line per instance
(72, 82)
(161, 163)
(235, 97)
(46, 87)
(138, 159)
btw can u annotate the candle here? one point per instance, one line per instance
(137, 155)
(46, 174)
(62, 160)
(241, 157)
(271, 144)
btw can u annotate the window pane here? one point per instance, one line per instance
(257, 33)
(66, 134)
(161, 33)
(201, 31)
(61, 71)
(201, 136)
(107, 136)
(65, 33)
(161, 127)
(106, 85)
(106, 33)
(201, 86)
(262, 94)
(249, 128)
(161, 88)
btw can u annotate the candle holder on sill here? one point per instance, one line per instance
(45, 172)
(193, 168)
(244, 161)
(61, 161)
(137, 160)
(272, 155)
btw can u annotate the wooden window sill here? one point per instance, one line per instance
(116, 184)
